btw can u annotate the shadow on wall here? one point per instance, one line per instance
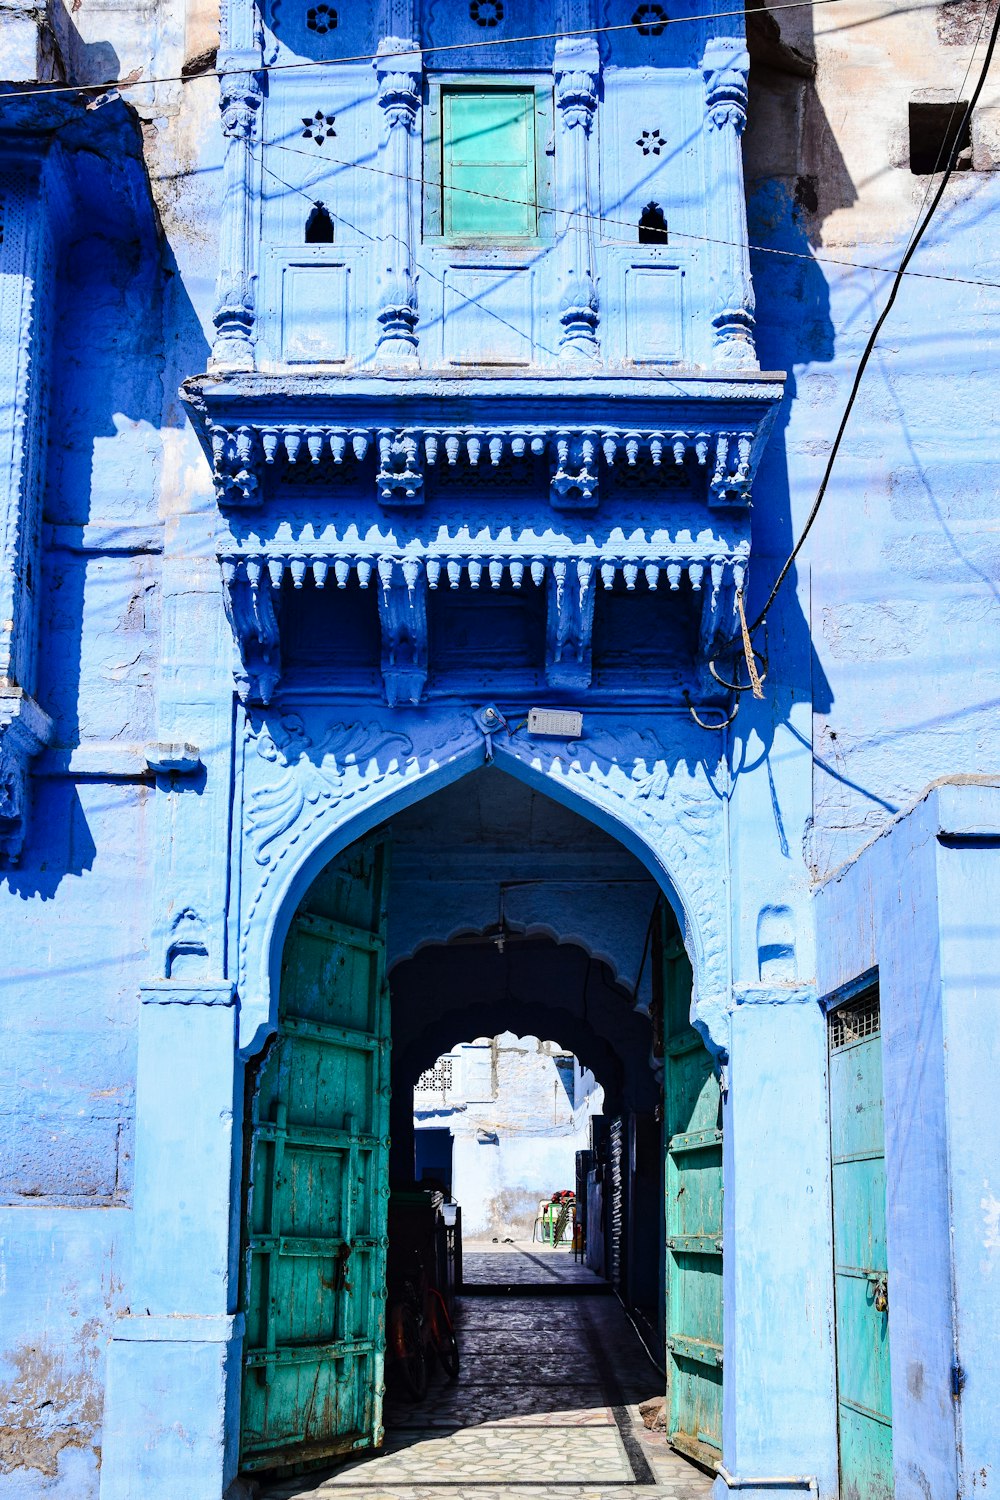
(786, 209)
(110, 399)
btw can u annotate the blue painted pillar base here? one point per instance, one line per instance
(171, 1418)
(761, 1488)
(779, 1403)
(170, 1383)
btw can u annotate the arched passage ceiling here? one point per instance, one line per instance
(448, 993)
(489, 844)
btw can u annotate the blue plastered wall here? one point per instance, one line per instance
(878, 682)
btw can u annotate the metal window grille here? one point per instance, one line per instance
(436, 1080)
(852, 1023)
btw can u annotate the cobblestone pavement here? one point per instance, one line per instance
(525, 1264)
(546, 1404)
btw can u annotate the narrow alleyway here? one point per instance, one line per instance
(547, 1397)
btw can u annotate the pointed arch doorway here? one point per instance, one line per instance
(485, 858)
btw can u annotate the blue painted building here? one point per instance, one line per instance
(442, 388)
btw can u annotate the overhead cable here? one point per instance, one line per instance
(131, 81)
(869, 348)
(581, 216)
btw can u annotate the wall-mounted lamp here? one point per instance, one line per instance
(560, 723)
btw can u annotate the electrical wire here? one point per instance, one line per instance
(130, 82)
(581, 216)
(879, 323)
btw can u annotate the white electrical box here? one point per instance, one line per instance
(561, 723)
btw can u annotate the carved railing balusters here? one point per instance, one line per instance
(399, 70)
(724, 458)
(725, 68)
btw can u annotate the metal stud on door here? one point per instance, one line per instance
(861, 1277)
(317, 1186)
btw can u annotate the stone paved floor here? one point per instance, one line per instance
(524, 1264)
(546, 1404)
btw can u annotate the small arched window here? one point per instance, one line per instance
(652, 226)
(319, 227)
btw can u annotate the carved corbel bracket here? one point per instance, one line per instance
(569, 623)
(25, 729)
(248, 594)
(236, 458)
(402, 612)
(400, 479)
(575, 484)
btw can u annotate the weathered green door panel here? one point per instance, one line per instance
(317, 1187)
(860, 1266)
(859, 1213)
(693, 1134)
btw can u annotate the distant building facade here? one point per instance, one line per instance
(357, 438)
(499, 1121)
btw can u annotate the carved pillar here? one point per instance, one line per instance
(399, 83)
(577, 70)
(725, 67)
(234, 311)
(26, 276)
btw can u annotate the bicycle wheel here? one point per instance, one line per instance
(443, 1340)
(408, 1362)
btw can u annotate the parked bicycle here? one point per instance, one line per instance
(419, 1332)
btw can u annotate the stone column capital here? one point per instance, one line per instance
(399, 69)
(725, 68)
(577, 72)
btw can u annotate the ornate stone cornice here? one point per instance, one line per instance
(720, 459)
(707, 564)
(24, 730)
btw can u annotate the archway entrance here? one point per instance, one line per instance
(484, 908)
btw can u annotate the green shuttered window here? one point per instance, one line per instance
(486, 178)
(488, 162)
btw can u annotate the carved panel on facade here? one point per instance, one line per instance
(307, 773)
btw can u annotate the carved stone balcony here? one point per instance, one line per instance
(407, 486)
(259, 436)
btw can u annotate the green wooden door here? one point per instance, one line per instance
(860, 1267)
(693, 1138)
(317, 1184)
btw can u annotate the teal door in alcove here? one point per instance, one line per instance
(315, 1220)
(861, 1283)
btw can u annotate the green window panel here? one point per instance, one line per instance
(486, 169)
(488, 163)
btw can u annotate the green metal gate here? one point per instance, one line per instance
(693, 1138)
(314, 1235)
(860, 1267)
